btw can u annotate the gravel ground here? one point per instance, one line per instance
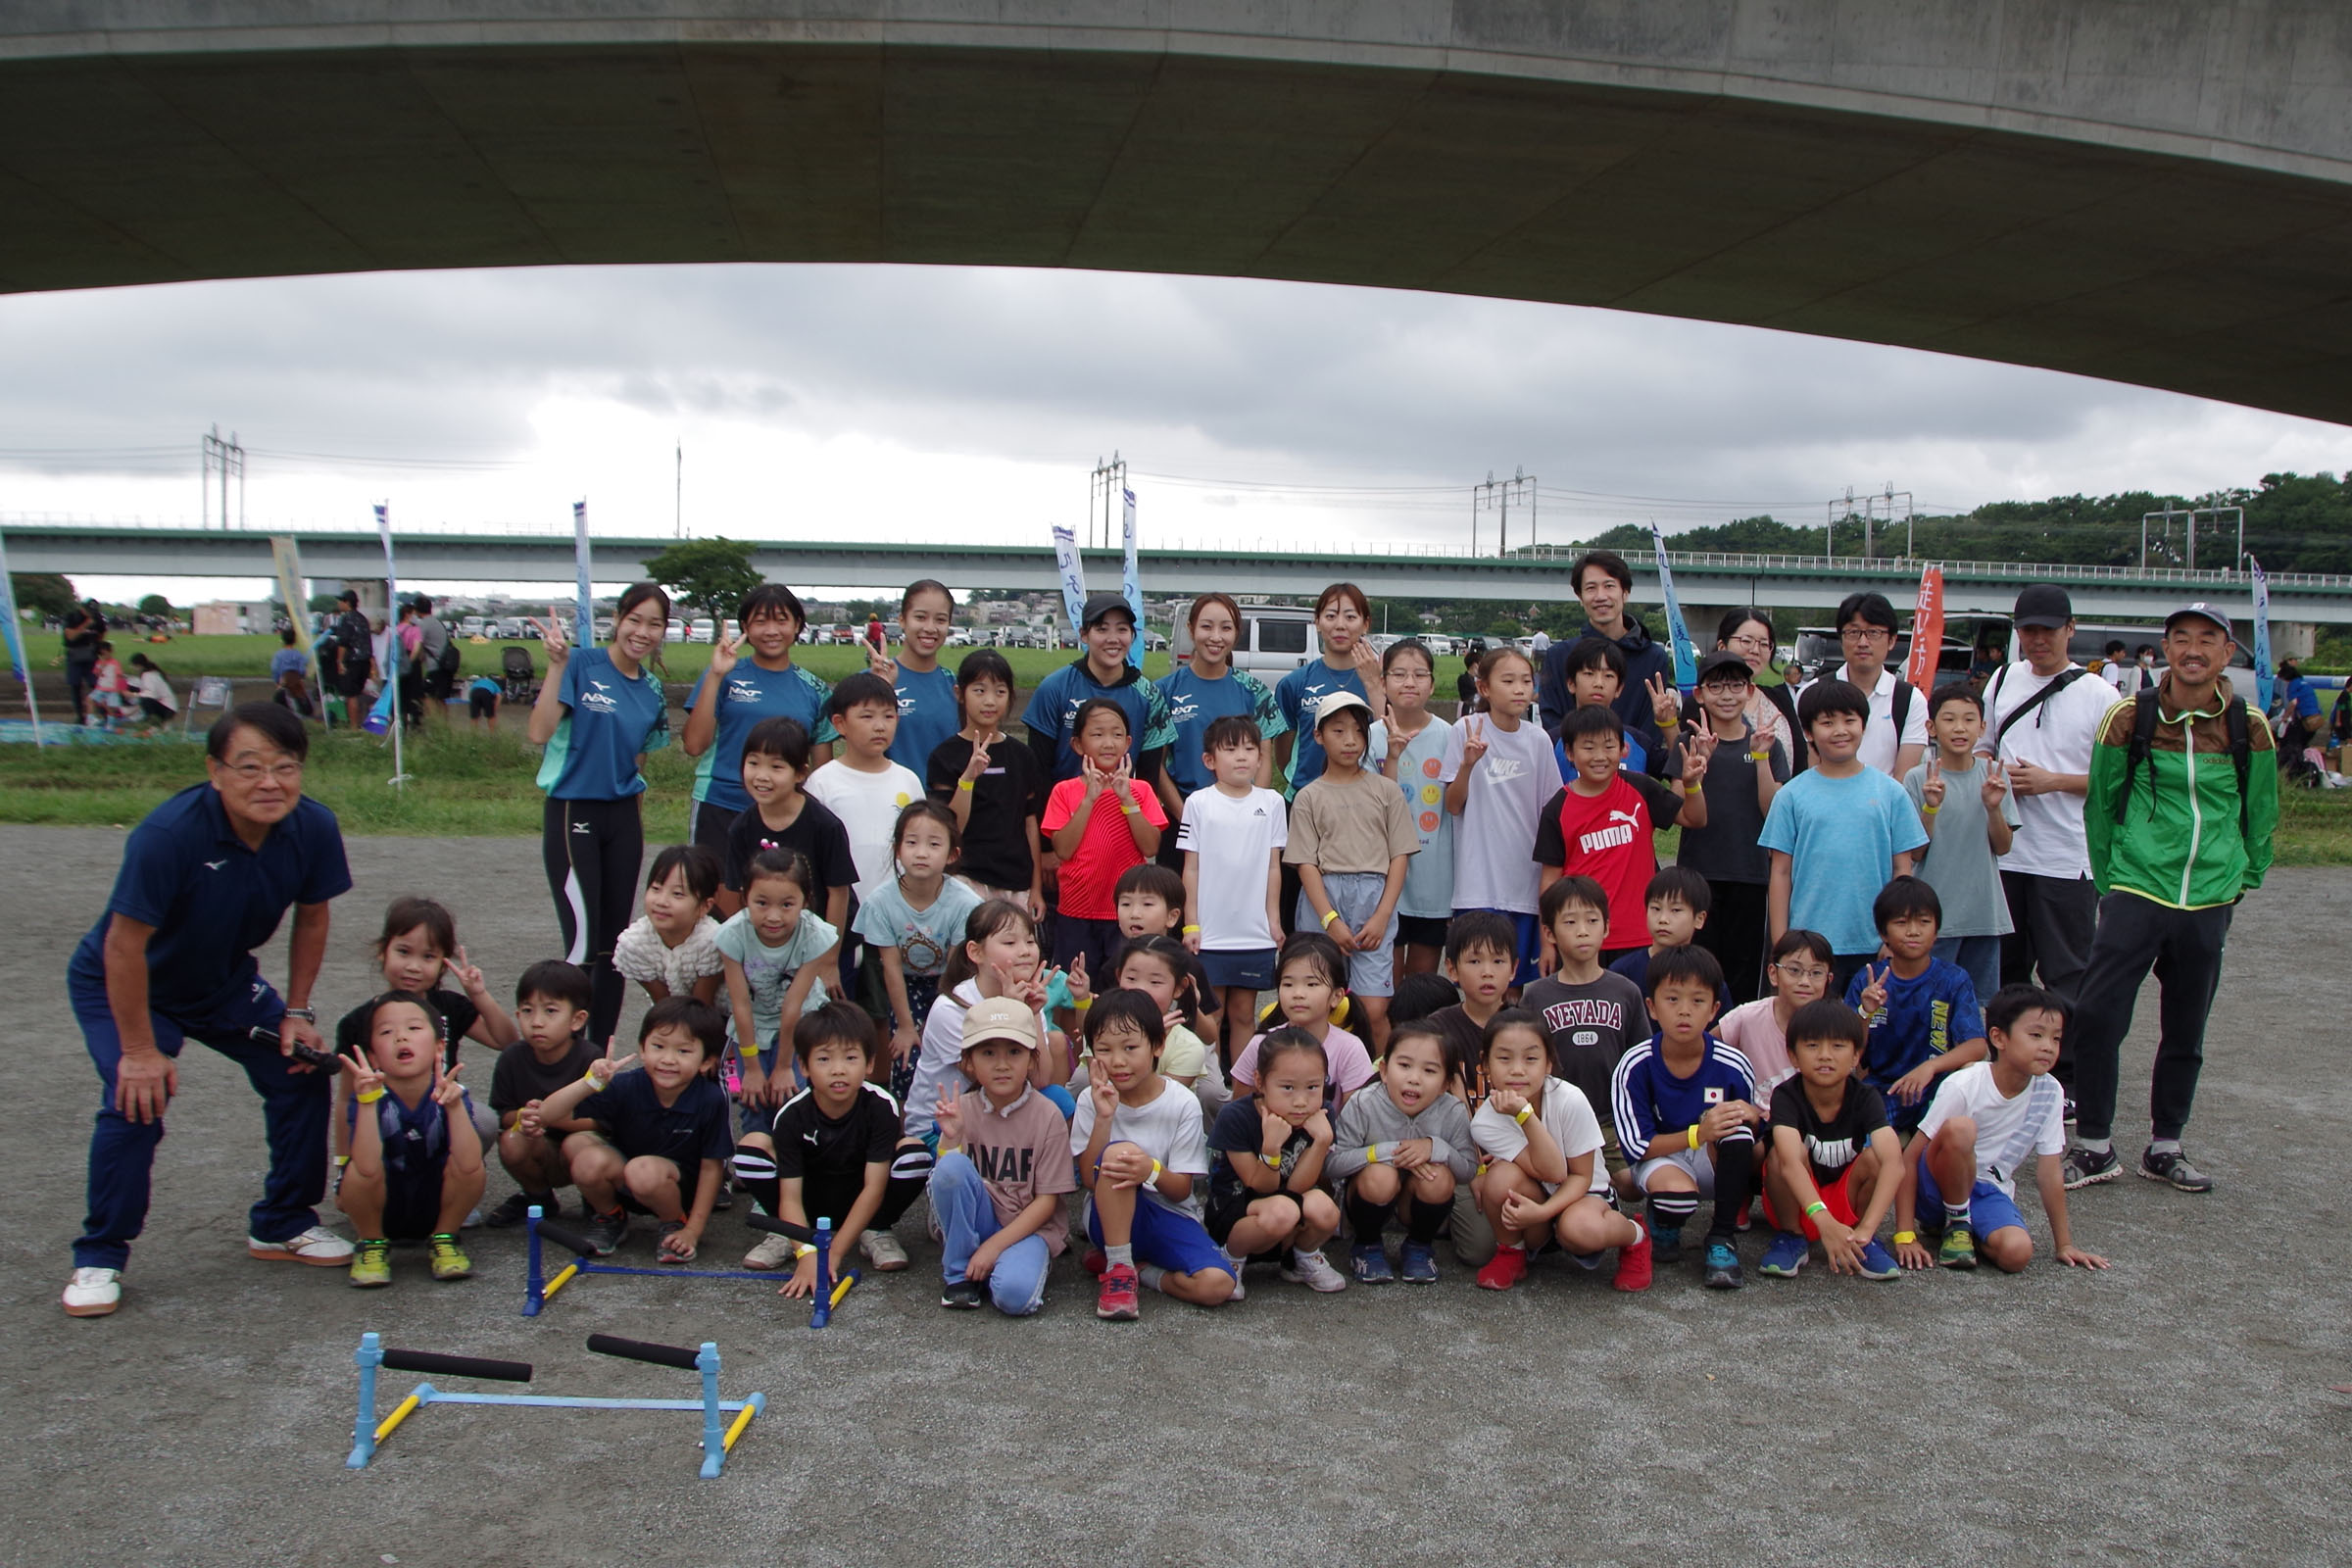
(2174, 1410)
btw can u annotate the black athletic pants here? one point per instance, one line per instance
(1735, 932)
(2053, 918)
(593, 850)
(2185, 947)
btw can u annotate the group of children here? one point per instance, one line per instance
(1004, 977)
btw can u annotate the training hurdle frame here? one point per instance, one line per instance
(718, 1436)
(538, 1285)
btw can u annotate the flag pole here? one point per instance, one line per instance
(383, 528)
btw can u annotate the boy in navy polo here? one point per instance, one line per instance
(1686, 1113)
(205, 881)
(1109, 631)
(1923, 1015)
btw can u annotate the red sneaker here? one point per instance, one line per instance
(1506, 1269)
(1632, 1263)
(1117, 1298)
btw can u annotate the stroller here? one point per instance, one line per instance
(516, 681)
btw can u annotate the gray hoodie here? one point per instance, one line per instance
(1371, 1120)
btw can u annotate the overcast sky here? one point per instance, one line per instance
(919, 402)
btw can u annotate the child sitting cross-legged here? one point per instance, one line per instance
(1544, 1179)
(1986, 1119)
(1834, 1162)
(1140, 1150)
(1687, 1115)
(835, 1151)
(1004, 1167)
(1265, 1171)
(416, 1159)
(661, 1138)
(1400, 1149)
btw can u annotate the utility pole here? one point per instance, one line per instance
(1499, 495)
(225, 457)
(1108, 484)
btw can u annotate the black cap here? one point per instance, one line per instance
(1099, 605)
(1721, 659)
(2042, 605)
(2199, 610)
(349, 596)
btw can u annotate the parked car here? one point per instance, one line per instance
(1274, 639)
(473, 627)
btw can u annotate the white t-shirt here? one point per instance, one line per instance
(2060, 736)
(1495, 841)
(1235, 840)
(1878, 741)
(1566, 1114)
(868, 806)
(939, 1059)
(640, 955)
(2007, 1130)
(1168, 1129)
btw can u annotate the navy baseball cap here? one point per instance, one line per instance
(1098, 606)
(2199, 610)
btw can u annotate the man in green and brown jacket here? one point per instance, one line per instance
(2184, 800)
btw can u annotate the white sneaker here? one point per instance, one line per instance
(774, 1251)
(882, 1249)
(473, 1219)
(318, 1247)
(1314, 1271)
(93, 1291)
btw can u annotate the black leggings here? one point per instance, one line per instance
(593, 849)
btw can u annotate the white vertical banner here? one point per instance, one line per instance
(14, 631)
(388, 704)
(584, 636)
(285, 555)
(1073, 576)
(2263, 674)
(1130, 584)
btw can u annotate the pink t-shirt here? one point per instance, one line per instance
(1344, 1055)
(1752, 1030)
(1022, 1155)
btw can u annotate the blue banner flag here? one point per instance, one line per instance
(1131, 585)
(1073, 577)
(2263, 674)
(1686, 652)
(584, 636)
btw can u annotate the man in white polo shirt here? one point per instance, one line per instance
(1896, 736)
(2042, 719)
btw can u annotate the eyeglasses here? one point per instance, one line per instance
(1747, 641)
(1801, 975)
(1864, 634)
(255, 772)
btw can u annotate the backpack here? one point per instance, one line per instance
(447, 663)
(1901, 703)
(2143, 744)
(2057, 683)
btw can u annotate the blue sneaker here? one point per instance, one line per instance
(1370, 1264)
(1723, 1267)
(1878, 1263)
(1417, 1264)
(1784, 1257)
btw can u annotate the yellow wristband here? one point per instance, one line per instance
(1326, 919)
(1192, 930)
(1905, 1238)
(1154, 1171)
(1694, 1135)
(1525, 1112)
(1272, 1161)
(368, 1097)
(1930, 811)
(1081, 1005)
(1759, 756)
(1371, 1154)
(1671, 721)
(964, 783)
(596, 1085)
(1817, 1206)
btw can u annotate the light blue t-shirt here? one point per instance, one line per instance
(747, 695)
(768, 972)
(1196, 702)
(608, 719)
(928, 716)
(1428, 876)
(1842, 836)
(923, 937)
(1297, 694)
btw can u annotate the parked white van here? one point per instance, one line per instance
(1274, 640)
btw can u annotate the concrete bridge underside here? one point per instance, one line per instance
(2138, 190)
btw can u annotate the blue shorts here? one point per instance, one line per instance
(1989, 1208)
(1166, 1239)
(1531, 942)
(1355, 898)
(1251, 968)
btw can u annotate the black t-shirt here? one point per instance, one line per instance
(458, 1015)
(520, 1077)
(1242, 1125)
(810, 1143)
(1466, 1043)
(1726, 849)
(816, 833)
(1590, 1027)
(698, 1127)
(995, 840)
(1834, 1142)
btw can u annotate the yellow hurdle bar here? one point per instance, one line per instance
(563, 1278)
(400, 1414)
(841, 1289)
(743, 1418)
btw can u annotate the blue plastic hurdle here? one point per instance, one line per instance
(538, 1285)
(719, 1437)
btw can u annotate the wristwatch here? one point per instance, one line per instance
(306, 1014)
